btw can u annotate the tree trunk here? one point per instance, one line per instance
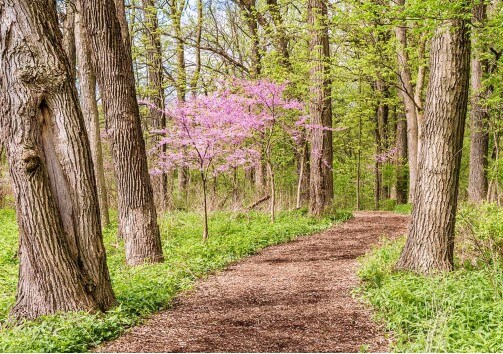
(62, 265)
(199, 31)
(407, 95)
(320, 110)
(479, 135)
(69, 37)
(430, 244)
(114, 71)
(87, 83)
(155, 94)
(401, 160)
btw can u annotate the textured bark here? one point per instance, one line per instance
(89, 104)
(120, 11)
(407, 95)
(320, 110)
(62, 265)
(155, 93)
(401, 160)
(69, 37)
(430, 243)
(114, 72)
(479, 135)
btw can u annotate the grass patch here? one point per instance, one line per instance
(403, 208)
(460, 311)
(145, 289)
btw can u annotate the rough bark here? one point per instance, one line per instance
(155, 93)
(114, 73)
(479, 135)
(430, 243)
(407, 94)
(120, 11)
(320, 110)
(89, 104)
(69, 37)
(62, 265)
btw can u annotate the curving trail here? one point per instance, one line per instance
(294, 297)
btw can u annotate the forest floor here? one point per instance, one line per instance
(295, 297)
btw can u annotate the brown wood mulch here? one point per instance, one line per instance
(295, 297)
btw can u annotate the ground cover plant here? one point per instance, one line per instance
(145, 289)
(460, 311)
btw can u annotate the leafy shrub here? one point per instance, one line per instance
(145, 289)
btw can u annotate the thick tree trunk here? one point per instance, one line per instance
(320, 110)
(430, 243)
(114, 72)
(87, 84)
(407, 95)
(62, 265)
(155, 93)
(401, 160)
(479, 135)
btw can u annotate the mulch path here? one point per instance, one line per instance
(294, 297)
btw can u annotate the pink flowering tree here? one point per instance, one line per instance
(275, 112)
(209, 134)
(228, 129)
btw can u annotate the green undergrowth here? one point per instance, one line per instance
(145, 289)
(460, 311)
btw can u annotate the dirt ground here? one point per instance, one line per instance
(294, 297)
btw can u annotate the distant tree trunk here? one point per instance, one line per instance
(87, 84)
(320, 110)
(199, 31)
(155, 93)
(407, 95)
(303, 181)
(401, 160)
(62, 265)
(430, 243)
(114, 71)
(176, 11)
(377, 162)
(281, 38)
(479, 135)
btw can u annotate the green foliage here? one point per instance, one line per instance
(460, 311)
(145, 289)
(403, 208)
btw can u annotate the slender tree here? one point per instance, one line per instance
(430, 243)
(320, 110)
(62, 265)
(155, 91)
(479, 135)
(407, 93)
(114, 73)
(89, 104)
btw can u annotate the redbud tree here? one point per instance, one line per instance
(227, 129)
